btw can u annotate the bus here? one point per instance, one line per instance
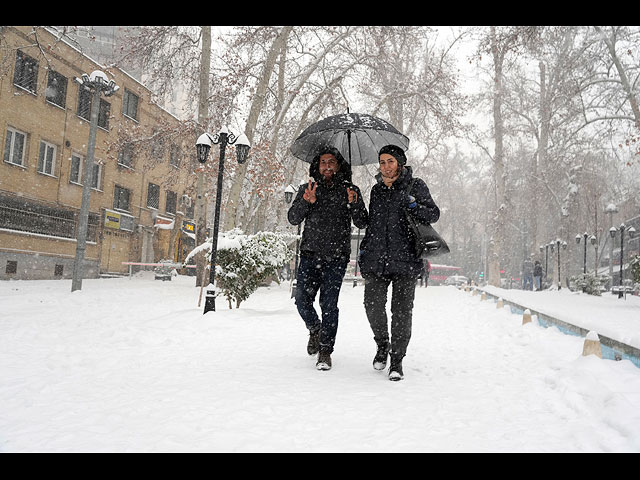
(439, 273)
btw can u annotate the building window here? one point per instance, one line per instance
(24, 216)
(47, 158)
(121, 198)
(125, 156)
(130, 104)
(76, 169)
(26, 72)
(157, 147)
(153, 196)
(174, 155)
(56, 92)
(58, 270)
(84, 108)
(172, 201)
(96, 176)
(14, 147)
(12, 267)
(77, 165)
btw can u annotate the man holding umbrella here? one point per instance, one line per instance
(327, 204)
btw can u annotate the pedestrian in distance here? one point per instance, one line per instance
(388, 256)
(527, 274)
(537, 274)
(327, 204)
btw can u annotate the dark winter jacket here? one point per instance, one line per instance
(327, 227)
(537, 269)
(386, 248)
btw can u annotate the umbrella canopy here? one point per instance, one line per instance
(359, 137)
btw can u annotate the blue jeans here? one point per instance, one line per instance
(537, 282)
(324, 274)
(528, 282)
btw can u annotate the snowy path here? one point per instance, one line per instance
(133, 365)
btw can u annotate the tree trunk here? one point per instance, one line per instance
(200, 210)
(252, 122)
(497, 245)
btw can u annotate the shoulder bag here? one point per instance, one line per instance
(427, 242)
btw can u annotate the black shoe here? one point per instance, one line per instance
(314, 342)
(395, 370)
(380, 360)
(324, 361)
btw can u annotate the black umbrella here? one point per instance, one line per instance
(359, 137)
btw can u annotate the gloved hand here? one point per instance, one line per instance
(411, 201)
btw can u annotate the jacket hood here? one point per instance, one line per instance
(343, 175)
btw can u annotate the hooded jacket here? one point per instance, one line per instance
(327, 227)
(387, 248)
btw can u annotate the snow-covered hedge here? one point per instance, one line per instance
(243, 262)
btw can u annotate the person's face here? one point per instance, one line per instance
(328, 166)
(388, 165)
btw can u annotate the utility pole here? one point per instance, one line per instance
(97, 83)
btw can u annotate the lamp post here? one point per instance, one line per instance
(557, 244)
(610, 210)
(632, 232)
(289, 193)
(203, 145)
(96, 83)
(546, 258)
(584, 238)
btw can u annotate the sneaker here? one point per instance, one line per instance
(380, 360)
(324, 361)
(314, 343)
(395, 371)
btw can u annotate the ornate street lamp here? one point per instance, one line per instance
(557, 244)
(584, 238)
(632, 232)
(96, 83)
(203, 145)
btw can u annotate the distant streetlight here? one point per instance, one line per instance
(613, 231)
(557, 244)
(584, 238)
(96, 83)
(203, 145)
(610, 210)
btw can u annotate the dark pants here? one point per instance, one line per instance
(324, 274)
(375, 300)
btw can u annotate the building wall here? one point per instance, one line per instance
(134, 235)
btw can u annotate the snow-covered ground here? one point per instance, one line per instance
(133, 366)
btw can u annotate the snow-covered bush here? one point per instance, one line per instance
(589, 283)
(243, 262)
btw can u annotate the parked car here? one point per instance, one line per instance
(456, 280)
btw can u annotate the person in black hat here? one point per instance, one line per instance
(388, 256)
(327, 204)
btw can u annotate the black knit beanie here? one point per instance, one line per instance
(396, 152)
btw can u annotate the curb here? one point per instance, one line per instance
(611, 349)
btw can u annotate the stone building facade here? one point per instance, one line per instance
(141, 207)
